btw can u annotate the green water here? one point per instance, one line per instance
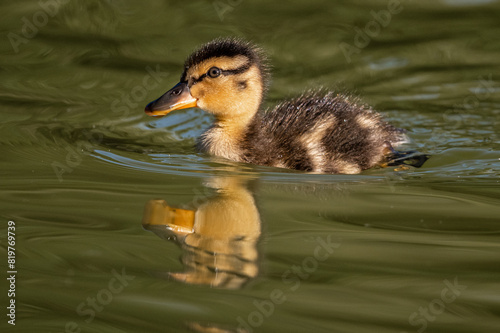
(384, 251)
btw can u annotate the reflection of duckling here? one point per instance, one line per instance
(319, 132)
(219, 239)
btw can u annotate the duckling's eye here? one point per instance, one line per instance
(214, 72)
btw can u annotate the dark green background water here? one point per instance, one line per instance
(80, 160)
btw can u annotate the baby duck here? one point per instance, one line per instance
(318, 132)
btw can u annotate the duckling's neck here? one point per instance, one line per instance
(233, 117)
(224, 138)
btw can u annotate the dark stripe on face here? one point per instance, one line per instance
(235, 71)
(239, 70)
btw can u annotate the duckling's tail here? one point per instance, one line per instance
(410, 157)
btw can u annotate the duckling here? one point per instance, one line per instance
(320, 132)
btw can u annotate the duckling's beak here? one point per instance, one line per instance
(179, 97)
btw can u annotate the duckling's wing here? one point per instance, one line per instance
(326, 133)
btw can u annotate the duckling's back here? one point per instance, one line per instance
(320, 133)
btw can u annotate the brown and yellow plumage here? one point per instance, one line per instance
(316, 132)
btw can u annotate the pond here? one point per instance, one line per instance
(112, 222)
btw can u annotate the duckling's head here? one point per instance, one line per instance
(226, 77)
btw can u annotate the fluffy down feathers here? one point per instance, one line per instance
(319, 132)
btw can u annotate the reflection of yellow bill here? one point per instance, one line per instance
(157, 212)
